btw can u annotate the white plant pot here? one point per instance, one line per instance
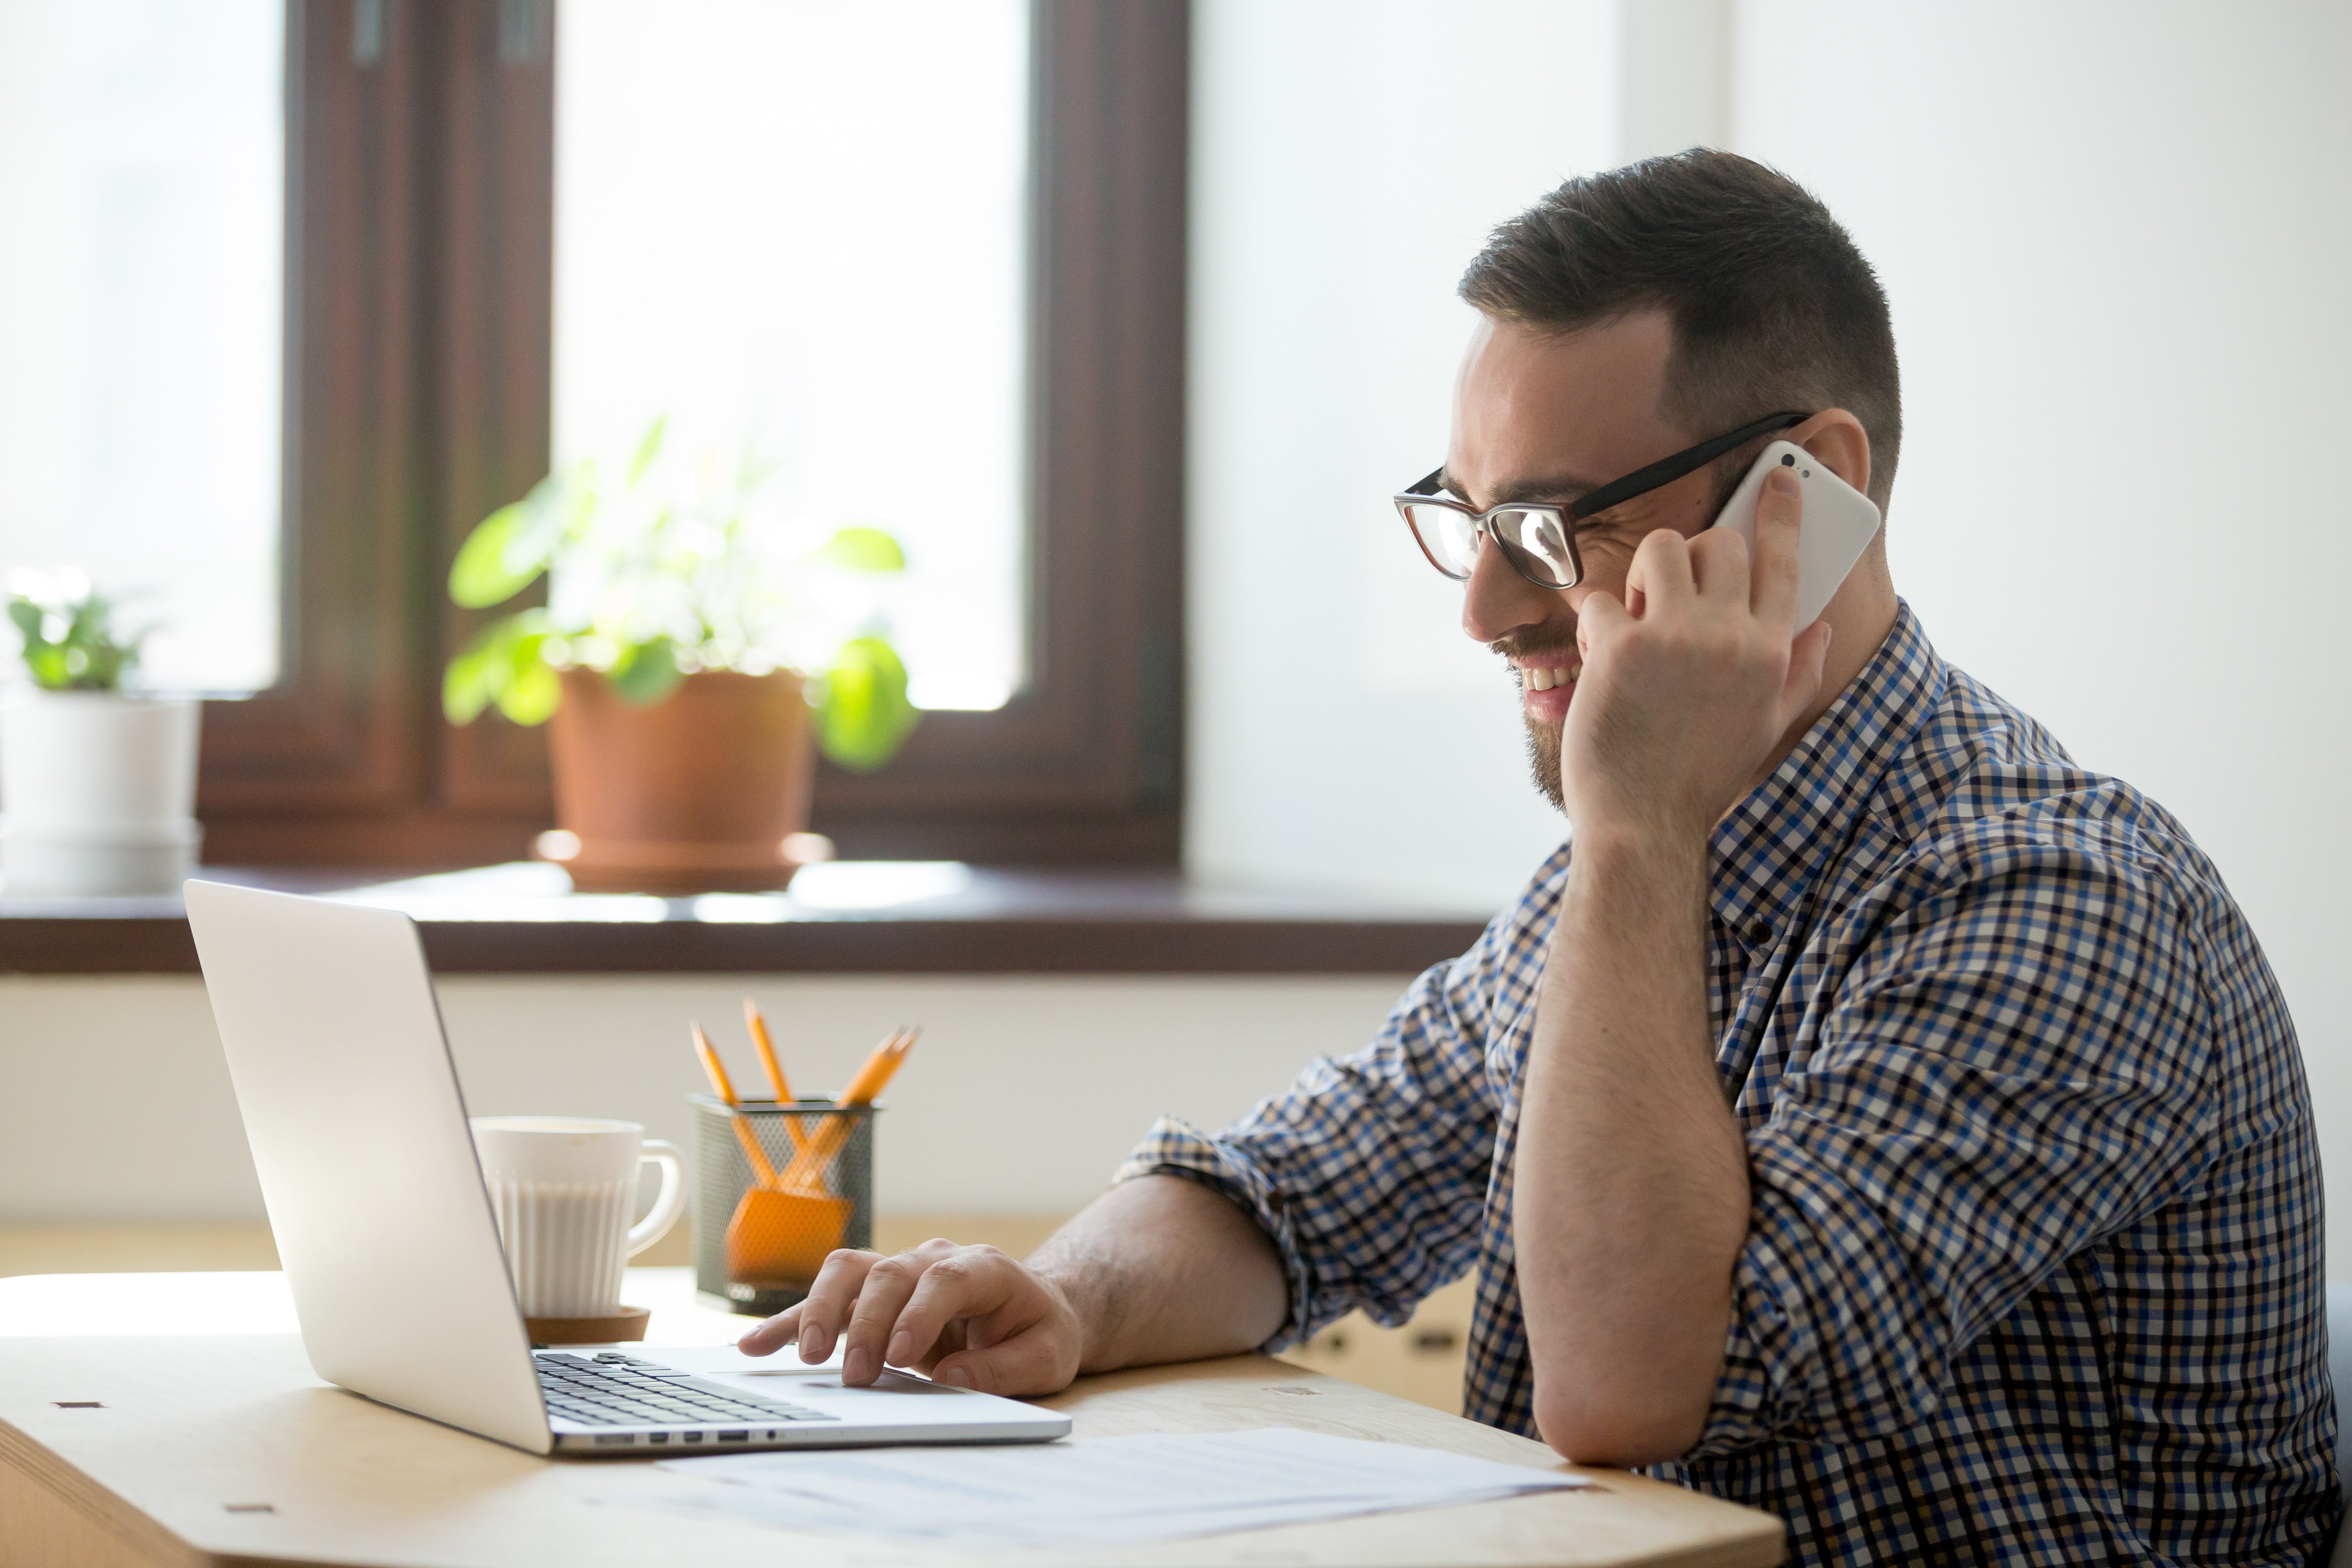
(99, 793)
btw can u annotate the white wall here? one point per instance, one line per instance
(2114, 232)
(1349, 156)
(1023, 1094)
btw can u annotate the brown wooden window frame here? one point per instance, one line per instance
(420, 196)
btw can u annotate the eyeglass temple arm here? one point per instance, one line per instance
(1427, 484)
(1666, 470)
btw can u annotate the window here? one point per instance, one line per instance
(797, 230)
(141, 164)
(424, 310)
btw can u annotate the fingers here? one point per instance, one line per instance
(889, 1282)
(976, 1281)
(830, 1300)
(1028, 1362)
(1660, 576)
(1598, 618)
(976, 1317)
(1718, 559)
(772, 1335)
(1774, 572)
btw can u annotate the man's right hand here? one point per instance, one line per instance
(964, 1315)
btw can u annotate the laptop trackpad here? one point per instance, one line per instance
(785, 1376)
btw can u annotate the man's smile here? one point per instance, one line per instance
(1547, 684)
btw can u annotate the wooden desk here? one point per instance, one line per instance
(220, 1449)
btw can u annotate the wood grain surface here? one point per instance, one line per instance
(200, 1450)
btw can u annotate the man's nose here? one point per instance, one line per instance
(1496, 601)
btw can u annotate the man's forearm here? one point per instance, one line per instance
(1629, 1185)
(1160, 1269)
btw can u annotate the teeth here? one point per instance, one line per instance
(1539, 679)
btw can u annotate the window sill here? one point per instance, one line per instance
(845, 918)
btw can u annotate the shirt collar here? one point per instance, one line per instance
(1784, 833)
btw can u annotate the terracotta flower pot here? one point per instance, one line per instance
(694, 794)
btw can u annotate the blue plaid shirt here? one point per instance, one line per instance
(2033, 1267)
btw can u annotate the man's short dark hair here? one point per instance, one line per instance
(1772, 306)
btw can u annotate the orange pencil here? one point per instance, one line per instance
(818, 1152)
(772, 1067)
(717, 1072)
(767, 1050)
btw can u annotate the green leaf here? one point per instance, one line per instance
(863, 549)
(648, 448)
(490, 569)
(480, 676)
(534, 695)
(865, 716)
(466, 689)
(646, 672)
(86, 656)
(503, 666)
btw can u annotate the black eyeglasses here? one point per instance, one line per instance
(1539, 538)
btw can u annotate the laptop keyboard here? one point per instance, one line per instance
(613, 1390)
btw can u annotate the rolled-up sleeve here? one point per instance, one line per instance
(1369, 1172)
(2015, 1064)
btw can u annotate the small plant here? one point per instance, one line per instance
(69, 641)
(669, 570)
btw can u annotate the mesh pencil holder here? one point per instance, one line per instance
(758, 1242)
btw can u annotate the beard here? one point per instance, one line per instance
(1543, 761)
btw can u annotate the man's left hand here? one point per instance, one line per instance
(1689, 685)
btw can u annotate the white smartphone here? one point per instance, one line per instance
(1839, 523)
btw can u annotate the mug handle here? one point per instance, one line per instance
(669, 1203)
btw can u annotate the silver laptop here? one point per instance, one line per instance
(385, 1231)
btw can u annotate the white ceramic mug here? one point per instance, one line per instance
(562, 1188)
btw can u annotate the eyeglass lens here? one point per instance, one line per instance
(1532, 540)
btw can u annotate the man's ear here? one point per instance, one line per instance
(1838, 440)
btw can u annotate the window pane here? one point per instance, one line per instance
(799, 228)
(141, 174)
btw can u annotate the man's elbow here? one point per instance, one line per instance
(1615, 1430)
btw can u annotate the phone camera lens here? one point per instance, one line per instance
(1788, 459)
(1805, 473)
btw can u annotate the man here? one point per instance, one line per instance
(1869, 1115)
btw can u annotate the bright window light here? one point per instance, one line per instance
(799, 228)
(142, 176)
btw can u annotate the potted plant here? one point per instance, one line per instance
(99, 786)
(693, 653)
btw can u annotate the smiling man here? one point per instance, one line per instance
(1869, 1114)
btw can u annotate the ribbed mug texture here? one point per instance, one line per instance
(562, 1189)
(567, 1243)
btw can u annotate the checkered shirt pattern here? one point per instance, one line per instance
(2034, 1269)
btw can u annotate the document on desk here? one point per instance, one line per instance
(1107, 1491)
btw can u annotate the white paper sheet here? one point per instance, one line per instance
(1109, 1491)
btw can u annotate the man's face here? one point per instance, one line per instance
(1542, 417)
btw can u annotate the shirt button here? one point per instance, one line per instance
(1758, 932)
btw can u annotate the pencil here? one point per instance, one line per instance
(808, 1166)
(767, 1050)
(772, 1067)
(717, 1072)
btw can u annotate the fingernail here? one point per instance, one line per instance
(857, 1366)
(813, 1349)
(1782, 478)
(954, 1375)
